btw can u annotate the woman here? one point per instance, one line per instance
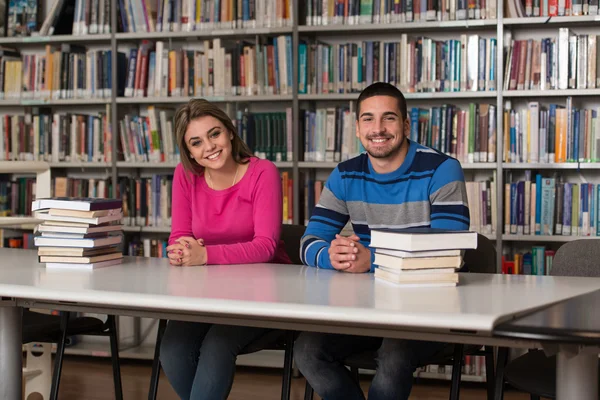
(227, 209)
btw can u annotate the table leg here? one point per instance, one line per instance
(576, 375)
(11, 354)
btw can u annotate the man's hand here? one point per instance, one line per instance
(349, 255)
(187, 252)
(362, 263)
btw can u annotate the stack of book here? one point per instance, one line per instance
(79, 233)
(420, 256)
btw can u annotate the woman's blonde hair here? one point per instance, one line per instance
(197, 108)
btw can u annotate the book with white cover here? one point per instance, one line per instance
(74, 235)
(76, 252)
(417, 279)
(44, 215)
(90, 266)
(76, 203)
(417, 263)
(79, 243)
(83, 214)
(422, 239)
(78, 229)
(418, 254)
(81, 260)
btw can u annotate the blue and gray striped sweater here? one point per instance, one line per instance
(428, 190)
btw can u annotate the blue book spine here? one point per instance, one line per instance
(513, 208)
(492, 69)
(302, 75)
(360, 63)
(513, 136)
(246, 10)
(414, 124)
(520, 207)
(527, 270)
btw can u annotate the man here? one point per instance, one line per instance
(397, 183)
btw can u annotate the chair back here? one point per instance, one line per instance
(577, 258)
(291, 236)
(482, 259)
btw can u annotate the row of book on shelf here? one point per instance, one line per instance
(151, 138)
(198, 15)
(549, 8)
(537, 133)
(55, 137)
(88, 17)
(67, 71)
(40, 135)
(538, 261)
(567, 61)
(551, 134)
(150, 70)
(549, 206)
(327, 134)
(354, 12)
(243, 68)
(154, 70)
(416, 64)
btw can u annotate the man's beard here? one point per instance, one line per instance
(386, 151)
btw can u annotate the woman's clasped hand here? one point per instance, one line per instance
(187, 251)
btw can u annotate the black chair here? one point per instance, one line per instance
(480, 260)
(533, 372)
(274, 340)
(47, 328)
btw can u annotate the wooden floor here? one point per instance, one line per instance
(91, 379)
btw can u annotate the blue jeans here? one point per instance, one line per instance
(319, 356)
(199, 359)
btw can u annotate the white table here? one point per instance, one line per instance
(271, 295)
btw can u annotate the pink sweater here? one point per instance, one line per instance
(239, 225)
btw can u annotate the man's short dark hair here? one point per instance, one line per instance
(382, 89)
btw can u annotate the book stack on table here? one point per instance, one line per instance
(420, 256)
(78, 233)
